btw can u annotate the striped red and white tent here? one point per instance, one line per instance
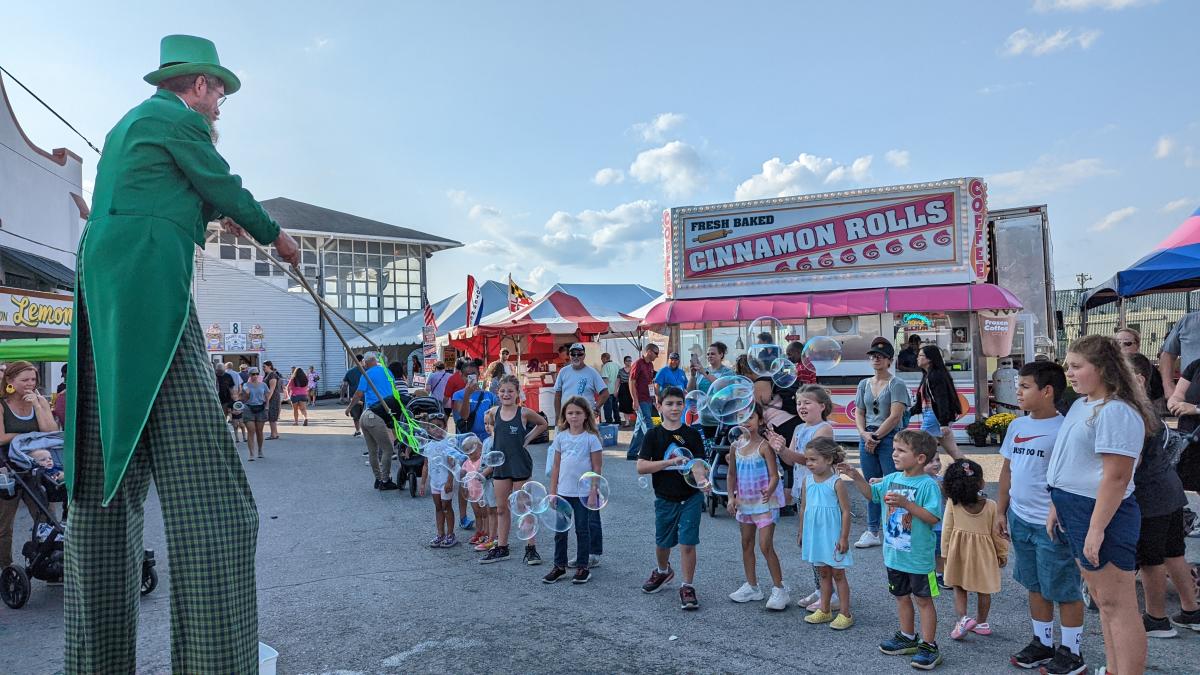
(556, 316)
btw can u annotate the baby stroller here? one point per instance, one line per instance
(715, 453)
(39, 486)
(424, 410)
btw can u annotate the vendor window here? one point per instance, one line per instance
(949, 331)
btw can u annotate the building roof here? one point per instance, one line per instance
(298, 216)
(51, 272)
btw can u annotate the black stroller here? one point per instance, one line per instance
(425, 410)
(716, 450)
(38, 487)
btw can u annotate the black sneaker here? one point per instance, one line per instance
(582, 576)
(1158, 628)
(927, 657)
(1065, 663)
(378, 483)
(495, 555)
(899, 645)
(787, 511)
(655, 583)
(531, 556)
(1033, 655)
(687, 599)
(554, 575)
(1187, 620)
(389, 485)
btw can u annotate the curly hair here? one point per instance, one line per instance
(1104, 354)
(963, 482)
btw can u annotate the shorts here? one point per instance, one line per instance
(1162, 537)
(489, 493)
(759, 520)
(446, 495)
(901, 584)
(677, 523)
(356, 410)
(250, 416)
(1041, 564)
(1120, 537)
(930, 423)
(273, 410)
(299, 399)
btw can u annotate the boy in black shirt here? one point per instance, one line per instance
(677, 505)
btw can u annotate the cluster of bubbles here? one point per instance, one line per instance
(696, 472)
(533, 509)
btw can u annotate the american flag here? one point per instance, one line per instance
(430, 320)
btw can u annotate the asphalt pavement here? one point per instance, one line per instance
(348, 585)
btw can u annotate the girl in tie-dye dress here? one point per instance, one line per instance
(755, 502)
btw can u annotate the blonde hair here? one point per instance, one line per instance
(14, 369)
(1110, 363)
(589, 422)
(819, 394)
(509, 379)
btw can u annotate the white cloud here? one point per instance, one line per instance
(656, 129)
(1163, 147)
(1002, 87)
(806, 174)
(457, 197)
(540, 278)
(897, 158)
(676, 167)
(1044, 177)
(482, 212)
(1113, 219)
(1024, 41)
(1176, 204)
(1084, 5)
(608, 176)
(317, 44)
(489, 247)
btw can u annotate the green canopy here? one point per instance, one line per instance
(49, 349)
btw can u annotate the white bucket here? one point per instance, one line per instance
(266, 659)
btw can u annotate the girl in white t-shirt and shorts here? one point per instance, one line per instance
(1090, 476)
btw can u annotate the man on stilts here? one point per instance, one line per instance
(144, 402)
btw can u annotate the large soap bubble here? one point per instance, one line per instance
(767, 330)
(822, 352)
(696, 399)
(520, 503)
(558, 515)
(673, 453)
(537, 495)
(698, 474)
(730, 399)
(473, 483)
(785, 373)
(595, 490)
(493, 459)
(526, 527)
(764, 359)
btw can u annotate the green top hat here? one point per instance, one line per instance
(191, 55)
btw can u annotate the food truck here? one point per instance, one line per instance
(895, 261)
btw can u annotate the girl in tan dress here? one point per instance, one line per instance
(974, 555)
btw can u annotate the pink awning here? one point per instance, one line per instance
(954, 298)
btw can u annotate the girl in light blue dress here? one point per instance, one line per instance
(825, 529)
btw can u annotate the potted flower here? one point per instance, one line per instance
(978, 432)
(997, 424)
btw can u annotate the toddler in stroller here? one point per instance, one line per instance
(427, 412)
(33, 472)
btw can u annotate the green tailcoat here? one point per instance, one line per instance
(158, 185)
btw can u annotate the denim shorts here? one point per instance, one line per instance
(1120, 537)
(1042, 565)
(678, 523)
(930, 424)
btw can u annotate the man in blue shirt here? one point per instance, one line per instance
(671, 376)
(374, 428)
(471, 403)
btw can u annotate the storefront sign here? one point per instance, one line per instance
(905, 235)
(429, 347)
(34, 312)
(235, 340)
(997, 330)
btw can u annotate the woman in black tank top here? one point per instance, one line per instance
(509, 424)
(25, 410)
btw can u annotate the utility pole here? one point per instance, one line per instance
(1083, 278)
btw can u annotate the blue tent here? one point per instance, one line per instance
(1173, 266)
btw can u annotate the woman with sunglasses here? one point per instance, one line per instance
(1130, 342)
(879, 406)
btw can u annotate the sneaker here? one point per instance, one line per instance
(485, 544)
(818, 617)
(1033, 655)
(787, 511)
(531, 556)
(1064, 663)
(842, 622)
(365, 453)
(1187, 620)
(809, 599)
(655, 583)
(1158, 628)
(746, 593)
(982, 629)
(834, 605)
(964, 626)
(466, 523)
(593, 561)
(779, 599)
(582, 576)
(474, 541)
(357, 434)
(389, 485)
(899, 645)
(927, 657)
(687, 599)
(378, 483)
(554, 575)
(496, 554)
(867, 540)
(942, 582)
(436, 542)
(450, 541)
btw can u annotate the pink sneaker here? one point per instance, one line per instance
(964, 626)
(485, 544)
(982, 629)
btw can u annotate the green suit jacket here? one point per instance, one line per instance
(159, 183)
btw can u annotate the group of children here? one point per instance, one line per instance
(1065, 503)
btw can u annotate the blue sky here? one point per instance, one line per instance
(549, 136)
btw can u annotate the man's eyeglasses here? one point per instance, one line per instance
(576, 353)
(221, 100)
(1126, 343)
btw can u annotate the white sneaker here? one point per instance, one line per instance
(833, 603)
(746, 593)
(593, 562)
(809, 599)
(779, 599)
(867, 540)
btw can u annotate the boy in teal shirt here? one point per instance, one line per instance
(913, 503)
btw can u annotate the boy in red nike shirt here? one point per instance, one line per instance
(1044, 564)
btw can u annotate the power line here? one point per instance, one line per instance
(52, 110)
(39, 243)
(29, 159)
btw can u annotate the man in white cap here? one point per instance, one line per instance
(579, 379)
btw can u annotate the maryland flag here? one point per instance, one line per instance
(517, 297)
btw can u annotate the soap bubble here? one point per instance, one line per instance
(537, 495)
(465, 441)
(822, 352)
(595, 490)
(764, 358)
(734, 435)
(699, 474)
(675, 451)
(493, 459)
(526, 527)
(473, 482)
(520, 503)
(696, 399)
(558, 516)
(730, 398)
(785, 373)
(452, 461)
(644, 481)
(767, 330)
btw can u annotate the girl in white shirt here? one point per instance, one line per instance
(577, 450)
(1091, 489)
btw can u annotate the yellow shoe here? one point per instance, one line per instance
(819, 617)
(842, 622)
